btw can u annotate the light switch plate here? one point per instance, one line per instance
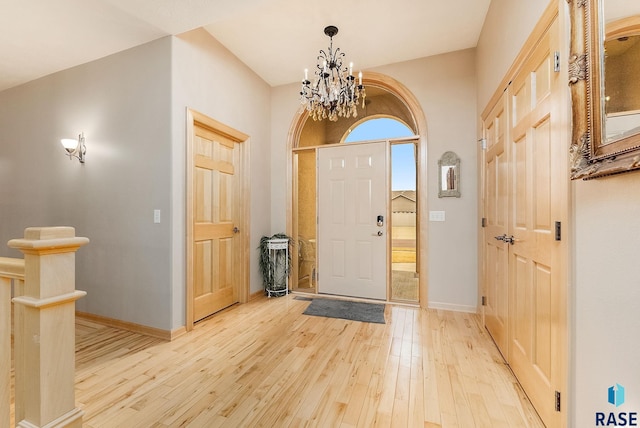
(436, 215)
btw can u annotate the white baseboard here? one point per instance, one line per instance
(453, 307)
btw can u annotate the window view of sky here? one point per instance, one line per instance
(403, 164)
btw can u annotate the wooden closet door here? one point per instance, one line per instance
(536, 179)
(215, 220)
(496, 267)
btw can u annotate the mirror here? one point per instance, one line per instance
(621, 83)
(605, 90)
(449, 175)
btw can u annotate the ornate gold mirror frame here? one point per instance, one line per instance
(591, 155)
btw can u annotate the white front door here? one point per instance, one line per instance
(352, 196)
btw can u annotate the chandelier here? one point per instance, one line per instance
(334, 92)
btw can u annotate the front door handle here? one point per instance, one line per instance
(501, 237)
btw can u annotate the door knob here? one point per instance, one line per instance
(501, 237)
(236, 230)
(379, 233)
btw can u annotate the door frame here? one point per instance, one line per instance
(407, 98)
(196, 118)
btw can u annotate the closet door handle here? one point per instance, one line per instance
(508, 239)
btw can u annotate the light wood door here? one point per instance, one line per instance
(352, 247)
(537, 273)
(216, 204)
(496, 268)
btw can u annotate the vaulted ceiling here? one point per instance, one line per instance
(277, 39)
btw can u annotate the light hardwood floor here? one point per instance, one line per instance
(266, 364)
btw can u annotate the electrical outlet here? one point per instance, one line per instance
(156, 216)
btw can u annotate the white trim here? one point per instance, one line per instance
(453, 307)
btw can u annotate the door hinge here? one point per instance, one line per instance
(483, 143)
(484, 222)
(556, 61)
(558, 228)
(484, 301)
(557, 401)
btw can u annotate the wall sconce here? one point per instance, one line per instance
(75, 148)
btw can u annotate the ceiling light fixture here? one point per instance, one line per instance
(334, 92)
(75, 148)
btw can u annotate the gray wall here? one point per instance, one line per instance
(122, 104)
(604, 291)
(445, 86)
(209, 79)
(132, 108)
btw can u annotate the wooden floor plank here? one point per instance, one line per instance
(265, 364)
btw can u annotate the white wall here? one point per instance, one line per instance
(122, 104)
(445, 87)
(209, 79)
(607, 294)
(507, 26)
(605, 224)
(606, 348)
(284, 105)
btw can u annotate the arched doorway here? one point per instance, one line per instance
(386, 97)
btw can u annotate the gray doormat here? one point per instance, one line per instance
(344, 309)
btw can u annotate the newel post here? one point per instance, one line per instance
(45, 342)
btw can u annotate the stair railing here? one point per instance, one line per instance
(44, 329)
